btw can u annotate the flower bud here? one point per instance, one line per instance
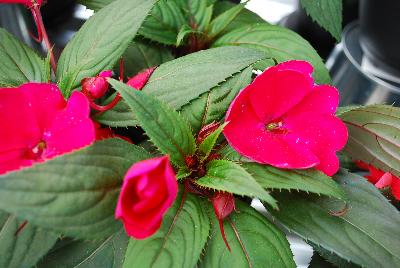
(96, 87)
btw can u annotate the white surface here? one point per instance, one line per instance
(271, 10)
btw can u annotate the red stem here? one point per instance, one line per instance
(108, 106)
(43, 34)
(22, 226)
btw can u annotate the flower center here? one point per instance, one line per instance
(276, 127)
(37, 151)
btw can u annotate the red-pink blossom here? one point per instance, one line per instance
(285, 120)
(96, 87)
(148, 191)
(140, 80)
(38, 124)
(27, 3)
(381, 179)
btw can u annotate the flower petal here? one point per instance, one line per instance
(273, 93)
(322, 99)
(300, 66)
(248, 135)
(71, 129)
(396, 187)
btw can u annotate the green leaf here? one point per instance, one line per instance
(328, 14)
(25, 247)
(68, 253)
(219, 24)
(374, 136)
(228, 176)
(198, 13)
(139, 56)
(212, 106)
(366, 233)
(180, 81)
(304, 180)
(101, 41)
(208, 143)
(276, 42)
(228, 153)
(180, 240)
(254, 240)
(95, 4)
(165, 127)
(74, 194)
(245, 17)
(19, 63)
(164, 22)
(330, 258)
(184, 32)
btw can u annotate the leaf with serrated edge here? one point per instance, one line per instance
(100, 42)
(219, 24)
(19, 63)
(224, 175)
(328, 14)
(208, 143)
(95, 4)
(305, 180)
(261, 243)
(374, 136)
(212, 106)
(276, 42)
(366, 232)
(74, 194)
(68, 253)
(180, 240)
(27, 247)
(182, 80)
(165, 126)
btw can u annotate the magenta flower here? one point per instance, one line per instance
(38, 124)
(27, 3)
(140, 80)
(285, 120)
(149, 190)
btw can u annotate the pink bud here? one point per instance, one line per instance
(140, 80)
(224, 204)
(96, 87)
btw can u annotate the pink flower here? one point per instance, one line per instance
(96, 87)
(285, 120)
(381, 179)
(140, 80)
(148, 191)
(27, 3)
(38, 124)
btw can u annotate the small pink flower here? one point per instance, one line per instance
(224, 205)
(38, 124)
(27, 3)
(96, 87)
(140, 80)
(148, 191)
(381, 179)
(285, 120)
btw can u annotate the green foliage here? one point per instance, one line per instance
(165, 127)
(68, 253)
(328, 14)
(182, 80)
(245, 17)
(101, 41)
(219, 24)
(184, 32)
(278, 43)
(365, 232)
(208, 143)
(180, 240)
(304, 180)
(23, 248)
(74, 194)
(228, 176)
(255, 242)
(212, 106)
(374, 136)
(19, 63)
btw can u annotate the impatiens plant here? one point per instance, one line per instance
(161, 123)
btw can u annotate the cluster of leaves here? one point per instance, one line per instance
(67, 203)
